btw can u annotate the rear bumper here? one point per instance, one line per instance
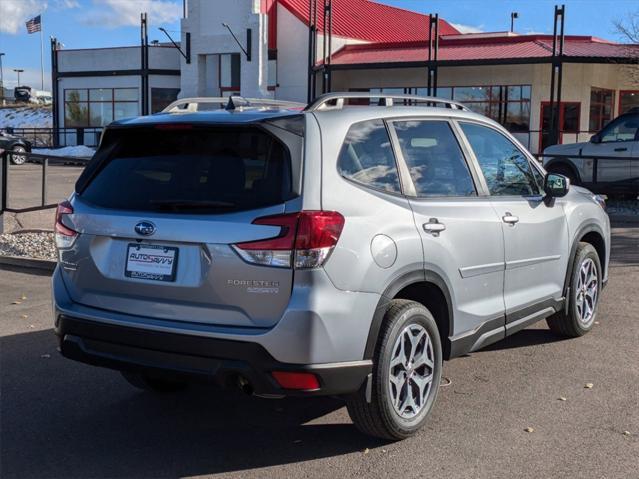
(196, 358)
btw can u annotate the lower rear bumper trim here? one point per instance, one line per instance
(197, 358)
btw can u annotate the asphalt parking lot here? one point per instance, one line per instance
(64, 419)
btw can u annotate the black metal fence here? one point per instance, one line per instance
(60, 137)
(37, 198)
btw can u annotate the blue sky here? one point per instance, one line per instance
(104, 23)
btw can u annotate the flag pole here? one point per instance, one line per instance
(41, 52)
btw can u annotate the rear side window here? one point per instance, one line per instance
(367, 157)
(192, 170)
(434, 159)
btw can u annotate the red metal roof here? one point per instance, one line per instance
(370, 21)
(459, 49)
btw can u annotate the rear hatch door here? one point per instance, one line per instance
(159, 213)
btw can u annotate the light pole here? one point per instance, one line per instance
(18, 71)
(513, 16)
(1, 80)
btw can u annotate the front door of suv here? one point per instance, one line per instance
(461, 233)
(535, 233)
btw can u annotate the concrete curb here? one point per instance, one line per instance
(28, 263)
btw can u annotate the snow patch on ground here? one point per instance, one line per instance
(26, 117)
(79, 151)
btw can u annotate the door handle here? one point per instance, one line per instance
(510, 219)
(621, 149)
(434, 226)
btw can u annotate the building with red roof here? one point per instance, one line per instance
(262, 48)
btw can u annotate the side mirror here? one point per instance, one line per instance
(595, 139)
(556, 186)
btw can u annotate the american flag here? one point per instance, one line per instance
(34, 25)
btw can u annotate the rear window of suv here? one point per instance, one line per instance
(190, 169)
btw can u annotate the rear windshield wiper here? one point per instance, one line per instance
(176, 205)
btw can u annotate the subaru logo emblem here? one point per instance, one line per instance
(145, 228)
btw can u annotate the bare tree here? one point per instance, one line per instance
(628, 30)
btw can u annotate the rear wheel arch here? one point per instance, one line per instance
(427, 288)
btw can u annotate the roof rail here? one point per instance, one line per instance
(230, 103)
(323, 102)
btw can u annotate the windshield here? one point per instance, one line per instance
(191, 170)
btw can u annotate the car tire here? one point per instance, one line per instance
(391, 414)
(153, 384)
(584, 293)
(17, 156)
(566, 171)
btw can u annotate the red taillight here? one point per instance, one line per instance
(306, 239)
(292, 380)
(318, 229)
(64, 236)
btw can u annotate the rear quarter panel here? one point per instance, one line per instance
(373, 218)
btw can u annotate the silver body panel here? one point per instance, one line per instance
(324, 315)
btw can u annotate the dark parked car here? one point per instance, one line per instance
(16, 145)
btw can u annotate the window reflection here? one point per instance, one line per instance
(505, 168)
(434, 159)
(367, 158)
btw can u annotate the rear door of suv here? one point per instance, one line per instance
(461, 233)
(166, 216)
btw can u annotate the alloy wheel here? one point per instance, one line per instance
(16, 157)
(411, 371)
(587, 291)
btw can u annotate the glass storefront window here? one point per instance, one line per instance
(75, 95)
(601, 106)
(125, 94)
(101, 113)
(506, 104)
(97, 107)
(628, 99)
(101, 94)
(124, 110)
(76, 114)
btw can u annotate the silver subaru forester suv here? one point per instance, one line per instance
(346, 248)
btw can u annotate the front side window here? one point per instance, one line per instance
(434, 159)
(505, 167)
(367, 158)
(622, 129)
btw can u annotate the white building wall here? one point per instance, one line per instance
(164, 57)
(292, 55)
(209, 37)
(97, 59)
